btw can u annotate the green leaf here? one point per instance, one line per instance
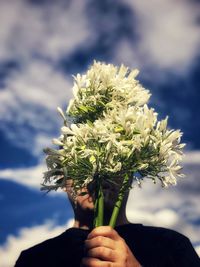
(136, 131)
(83, 108)
(101, 103)
(89, 123)
(84, 163)
(91, 108)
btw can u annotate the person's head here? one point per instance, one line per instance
(83, 203)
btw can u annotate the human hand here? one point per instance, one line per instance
(105, 248)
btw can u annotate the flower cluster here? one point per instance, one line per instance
(112, 132)
(103, 88)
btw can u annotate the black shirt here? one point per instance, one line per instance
(152, 247)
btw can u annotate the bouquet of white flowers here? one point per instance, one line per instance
(110, 132)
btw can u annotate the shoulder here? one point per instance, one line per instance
(53, 251)
(163, 233)
(165, 242)
(46, 244)
(40, 252)
(155, 230)
(178, 246)
(149, 230)
(154, 233)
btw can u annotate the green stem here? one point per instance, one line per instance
(99, 207)
(118, 203)
(95, 222)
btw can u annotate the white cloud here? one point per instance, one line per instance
(29, 103)
(192, 157)
(198, 250)
(31, 176)
(38, 85)
(28, 237)
(51, 30)
(168, 35)
(164, 217)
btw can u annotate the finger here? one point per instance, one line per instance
(91, 262)
(102, 253)
(106, 231)
(100, 241)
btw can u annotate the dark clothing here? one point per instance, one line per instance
(152, 247)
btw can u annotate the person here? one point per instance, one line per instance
(128, 245)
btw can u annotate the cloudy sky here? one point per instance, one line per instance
(42, 44)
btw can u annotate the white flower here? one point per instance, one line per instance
(60, 111)
(57, 142)
(105, 84)
(66, 130)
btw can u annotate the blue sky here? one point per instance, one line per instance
(43, 43)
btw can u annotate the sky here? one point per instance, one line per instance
(42, 44)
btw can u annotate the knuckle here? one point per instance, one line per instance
(109, 254)
(105, 252)
(110, 228)
(98, 228)
(122, 240)
(94, 231)
(123, 243)
(101, 250)
(99, 239)
(124, 258)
